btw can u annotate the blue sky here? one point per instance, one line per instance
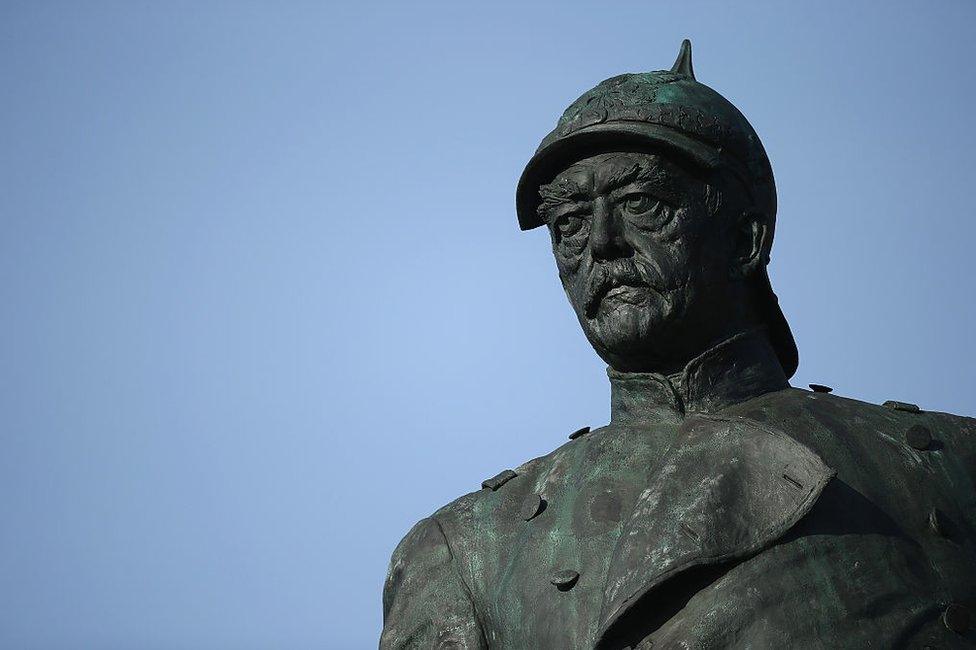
(265, 301)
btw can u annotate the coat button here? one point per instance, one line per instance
(820, 388)
(956, 618)
(564, 580)
(919, 437)
(532, 506)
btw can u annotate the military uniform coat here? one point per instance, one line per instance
(718, 509)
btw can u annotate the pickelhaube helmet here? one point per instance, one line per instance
(667, 110)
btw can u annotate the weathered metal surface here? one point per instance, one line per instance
(719, 507)
(862, 568)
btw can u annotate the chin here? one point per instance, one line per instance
(622, 331)
(629, 334)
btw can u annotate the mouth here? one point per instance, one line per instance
(616, 295)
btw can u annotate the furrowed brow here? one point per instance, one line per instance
(651, 175)
(560, 192)
(623, 176)
(659, 179)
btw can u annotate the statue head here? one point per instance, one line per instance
(661, 206)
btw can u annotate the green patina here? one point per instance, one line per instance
(719, 507)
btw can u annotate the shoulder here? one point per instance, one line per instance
(829, 410)
(425, 604)
(436, 557)
(507, 486)
(894, 438)
(477, 525)
(423, 543)
(490, 489)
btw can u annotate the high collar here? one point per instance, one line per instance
(737, 369)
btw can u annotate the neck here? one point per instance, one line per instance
(739, 368)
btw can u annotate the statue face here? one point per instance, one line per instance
(648, 257)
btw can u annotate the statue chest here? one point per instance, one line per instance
(562, 553)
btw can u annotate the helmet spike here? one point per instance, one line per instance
(682, 65)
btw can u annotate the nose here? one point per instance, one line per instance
(606, 240)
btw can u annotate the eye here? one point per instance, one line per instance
(569, 225)
(639, 203)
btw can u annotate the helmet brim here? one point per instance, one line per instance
(552, 158)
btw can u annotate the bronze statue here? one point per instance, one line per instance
(719, 507)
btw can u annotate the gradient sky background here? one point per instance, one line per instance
(265, 303)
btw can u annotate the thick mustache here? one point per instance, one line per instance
(615, 273)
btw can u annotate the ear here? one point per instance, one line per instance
(752, 239)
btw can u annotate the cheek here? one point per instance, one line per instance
(575, 284)
(569, 257)
(673, 253)
(570, 275)
(664, 263)
(717, 254)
